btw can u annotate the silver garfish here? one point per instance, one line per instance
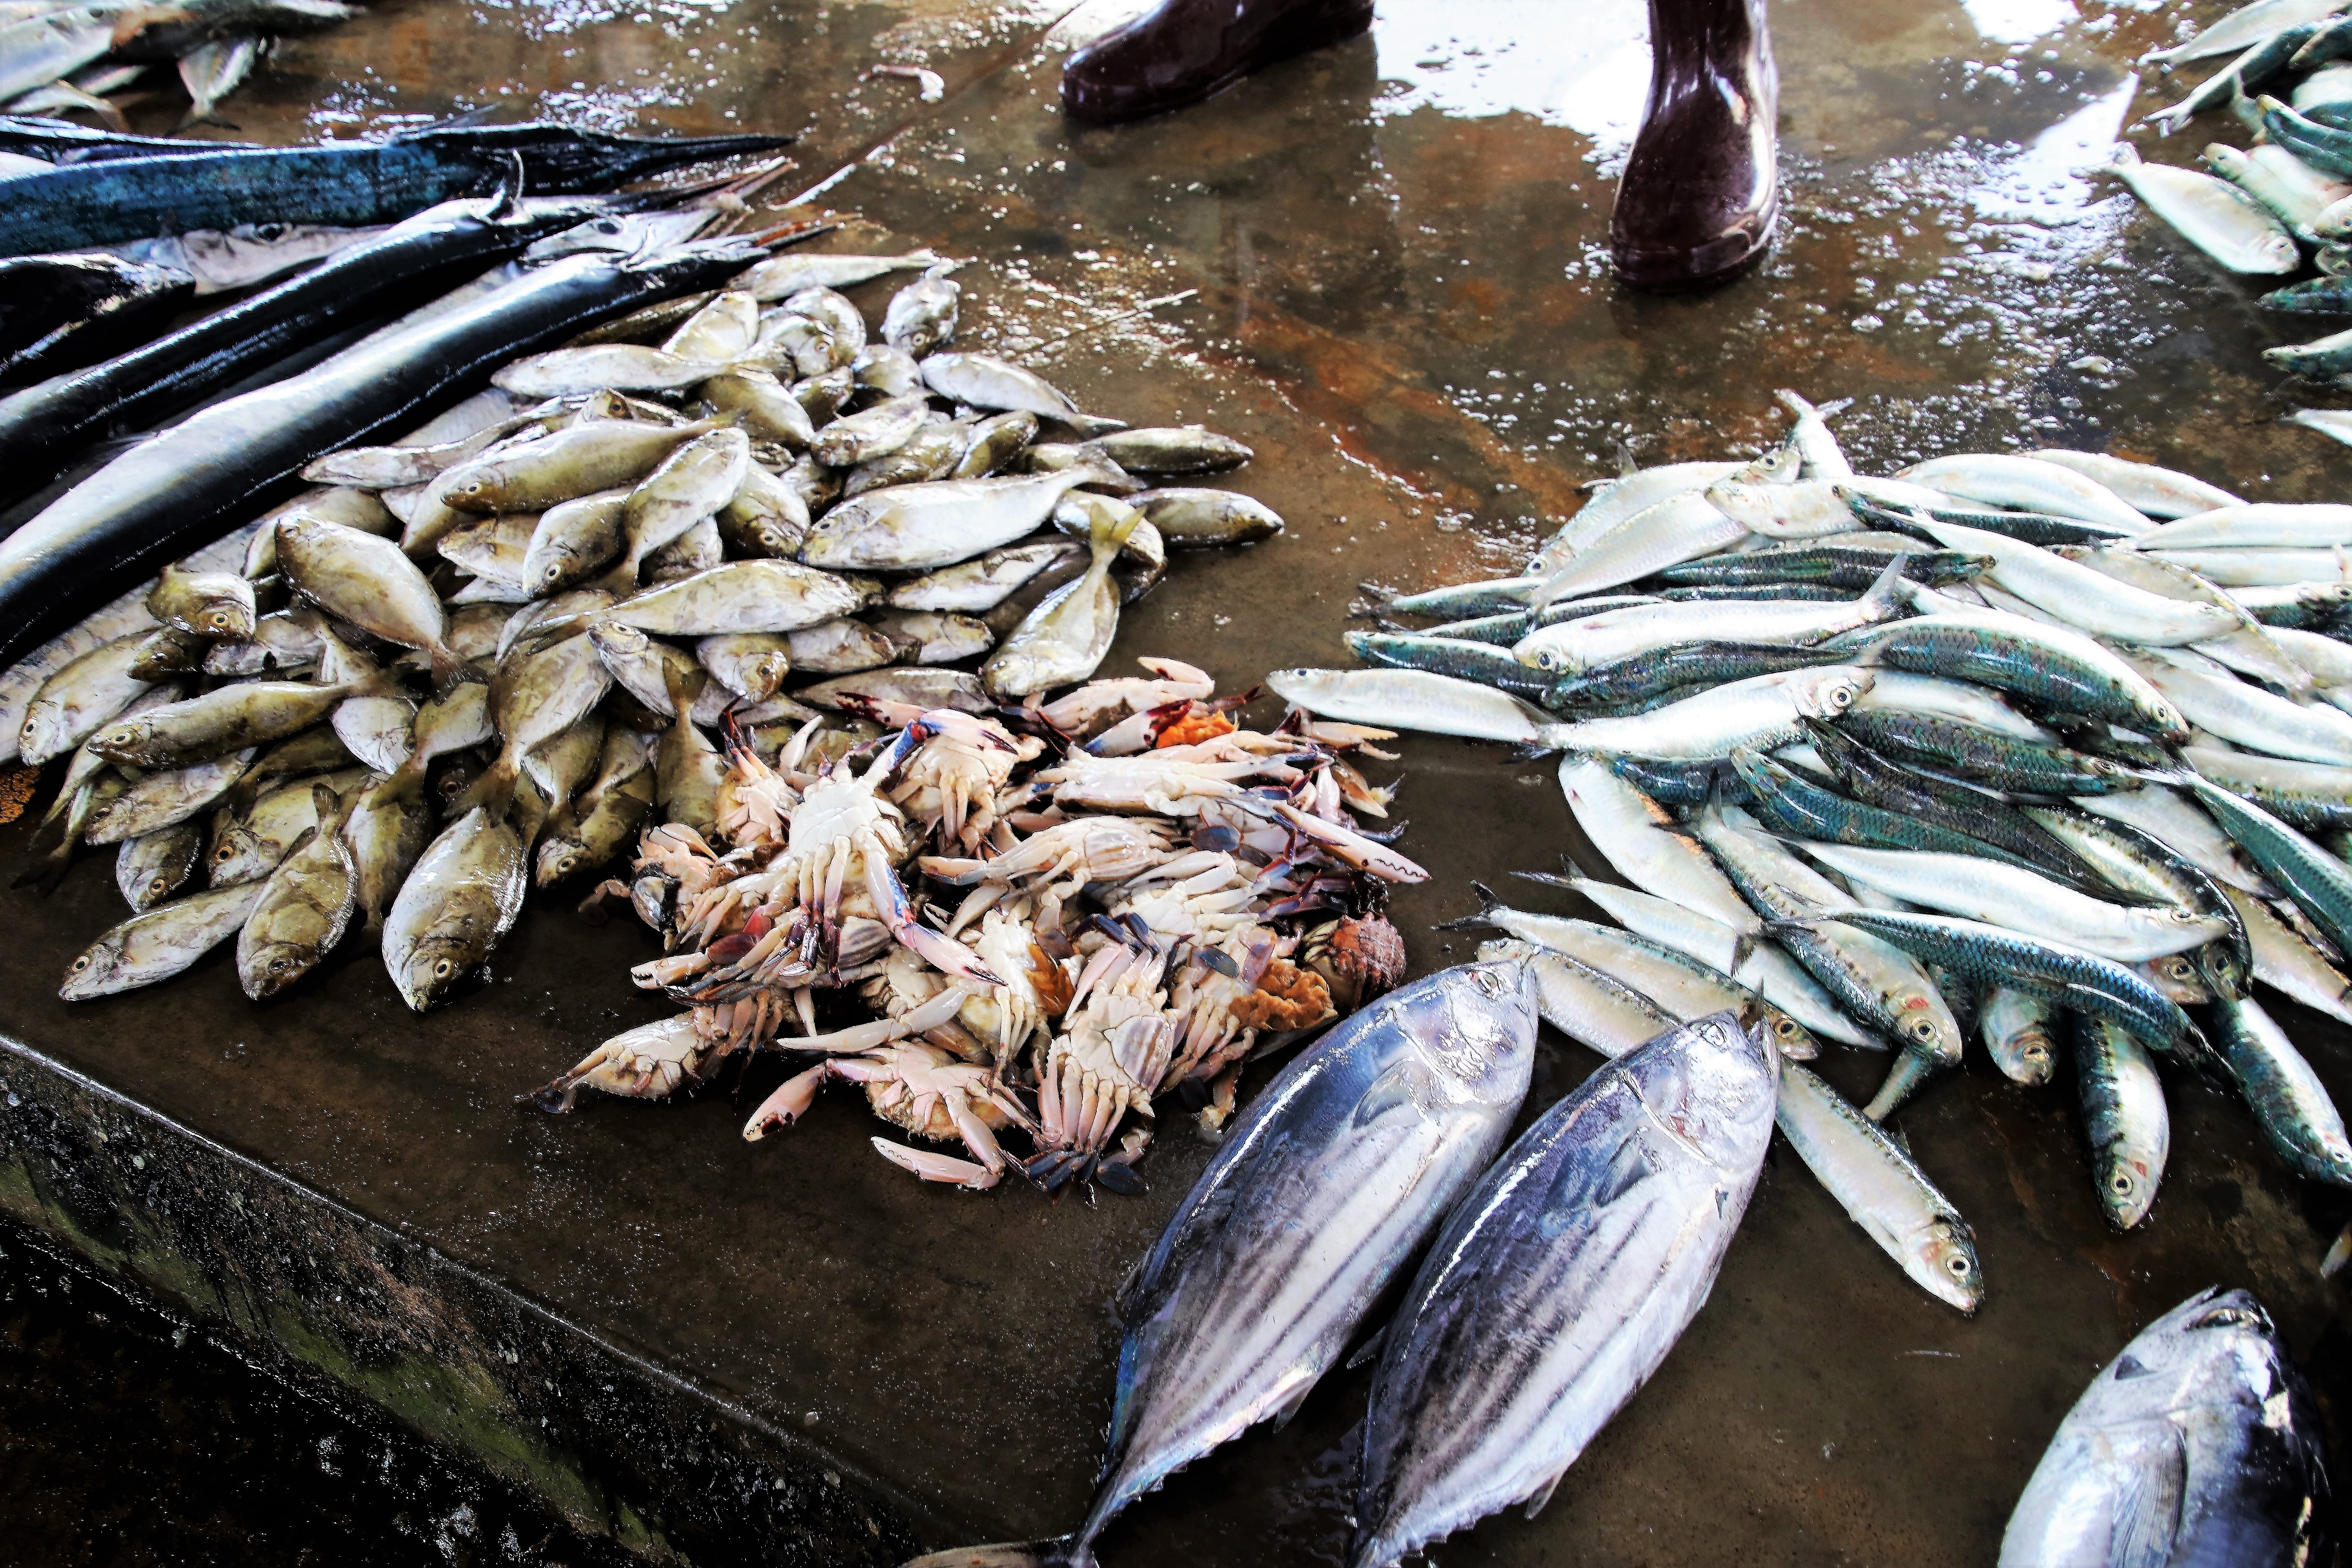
(1560, 1284)
(1328, 1184)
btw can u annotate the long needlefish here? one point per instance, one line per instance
(186, 484)
(85, 205)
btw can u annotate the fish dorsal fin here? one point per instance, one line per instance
(1542, 1494)
(1370, 1351)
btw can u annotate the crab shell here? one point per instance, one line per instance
(1360, 957)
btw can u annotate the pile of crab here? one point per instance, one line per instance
(1059, 915)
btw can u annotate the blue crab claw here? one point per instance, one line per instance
(1057, 1168)
(960, 725)
(941, 952)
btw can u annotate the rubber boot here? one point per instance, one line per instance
(1190, 49)
(1701, 189)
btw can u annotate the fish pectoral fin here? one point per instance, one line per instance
(1279, 1416)
(1400, 1085)
(1370, 1350)
(1542, 1494)
(2147, 1518)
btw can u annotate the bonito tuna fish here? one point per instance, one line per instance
(1330, 1183)
(1560, 1283)
(2199, 1444)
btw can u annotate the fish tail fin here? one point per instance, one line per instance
(206, 115)
(1485, 919)
(1886, 596)
(449, 666)
(1063, 1551)
(1093, 425)
(493, 792)
(1109, 532)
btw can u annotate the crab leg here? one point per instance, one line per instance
(1352, 848)
(790, 1102)
(947, 957)
(938, 1167)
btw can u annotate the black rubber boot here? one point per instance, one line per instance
(1190, 49)
(1702, 187)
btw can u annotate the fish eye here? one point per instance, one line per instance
(2122, 1185)
(443, 969)
(158, 885)
(1923, 1030)
(1959, 1263)
(80, 964)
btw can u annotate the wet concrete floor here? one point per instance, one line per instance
(1402, 303)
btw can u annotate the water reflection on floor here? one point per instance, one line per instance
(1394, 284)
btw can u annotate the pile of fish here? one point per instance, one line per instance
(2282, 206)
(58, 57)
(677, 571)
(2045, 749)
(1120, 895)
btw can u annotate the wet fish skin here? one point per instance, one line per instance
(160, 800)
(871, 433)
(919, 527)
(2319, 882)
(767, 517)
(1974, 888)
(159, 944)
(841, 647)
(993, 442)
(152, 867)
(304, 908)
(1798, 808)
(2060, 670)
(1371, 1134)
(228, 719)
(562, 466)
(751, 665)
(921, 688)
(1986, 756)
(1764, 712)
(45, 426)
(2289, 1102)
(1170, 450)
(2017, 1031)
(930, 453)
(2124, 1113)
(63, 312)
(922, 315)
(247, 848)
(215, 605)
(931, 637)
(455, 908)
(2200, 1443)
(573, 540)
(780, 277)
(686, 487)
(1559, 1284)
(2136, 864)
(186, 482)
(983, 381)
(1647, 846)
(980, 584)
(1063, 640)
(73, 704)
(1481, 662)
(385, 830)
(1875, 981)
(2092, 985)
(1591, 1008)
(1880, 1189)
(1885, 783)
(1685, 986)
(740, 596)
(533, 698)
(765, 405)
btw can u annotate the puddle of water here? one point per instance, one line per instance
(2019, 21)
(1470, 59)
